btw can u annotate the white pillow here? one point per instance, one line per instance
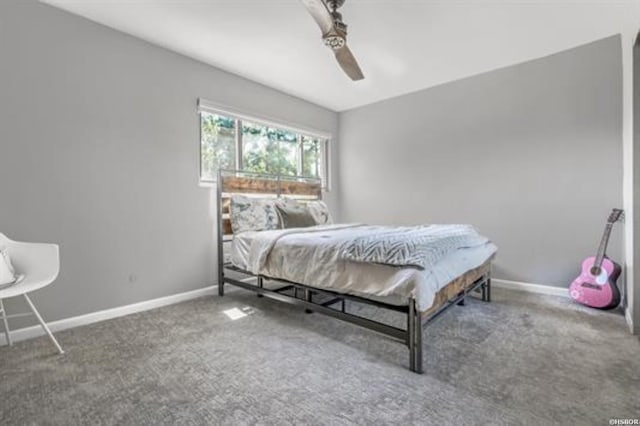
(253, 214)
(320, 212)
(7, 273)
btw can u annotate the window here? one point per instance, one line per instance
(232, 143)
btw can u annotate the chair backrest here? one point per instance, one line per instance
(40, 263)
(3, 239)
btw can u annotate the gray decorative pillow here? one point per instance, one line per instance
(320, 212)
(252, 214)
(7, 273)
(295, 216)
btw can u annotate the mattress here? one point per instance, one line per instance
(312, 257)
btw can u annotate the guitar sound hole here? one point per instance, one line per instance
(592, 286)
(595, 271)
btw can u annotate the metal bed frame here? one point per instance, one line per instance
(303, 295)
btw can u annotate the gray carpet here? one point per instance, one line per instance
(523, 359)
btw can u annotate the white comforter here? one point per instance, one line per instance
(313, 256)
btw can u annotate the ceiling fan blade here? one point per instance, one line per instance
(349, 64)
(320, 13)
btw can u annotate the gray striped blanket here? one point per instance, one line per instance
(416, 246)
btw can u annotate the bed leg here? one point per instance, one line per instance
(260, 285)
(414, 337)
(486, 288)
(462, 302)
(308, 296)
(221, 284)
(411, 341)
(418, 344)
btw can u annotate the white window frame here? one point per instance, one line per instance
(209, 107)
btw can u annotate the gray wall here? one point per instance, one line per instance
(530, 154)
(99, 152)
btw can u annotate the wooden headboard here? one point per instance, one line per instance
(232, 182)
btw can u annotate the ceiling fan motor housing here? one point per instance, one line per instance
(334, 4)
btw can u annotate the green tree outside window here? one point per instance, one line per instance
(263, 149)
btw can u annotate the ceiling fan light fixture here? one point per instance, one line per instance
(335, 42)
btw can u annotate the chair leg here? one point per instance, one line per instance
(6, 324)
(43, 324)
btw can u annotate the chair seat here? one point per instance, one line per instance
(27, 285)
(40, 264)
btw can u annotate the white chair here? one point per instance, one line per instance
(40, 264)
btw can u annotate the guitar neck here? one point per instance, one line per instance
(604, 242)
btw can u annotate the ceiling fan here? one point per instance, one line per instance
(334, 33)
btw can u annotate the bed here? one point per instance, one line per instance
(314, 272)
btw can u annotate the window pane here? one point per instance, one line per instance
(269, 150)
(265, 149)
(311, 160)
(217, 145)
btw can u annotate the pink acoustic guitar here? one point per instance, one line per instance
(596, 285)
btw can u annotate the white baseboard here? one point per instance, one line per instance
(530, 287)
(64, 324)
(629, 318)
(547, 289)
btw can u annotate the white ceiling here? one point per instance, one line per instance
(402, 45)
